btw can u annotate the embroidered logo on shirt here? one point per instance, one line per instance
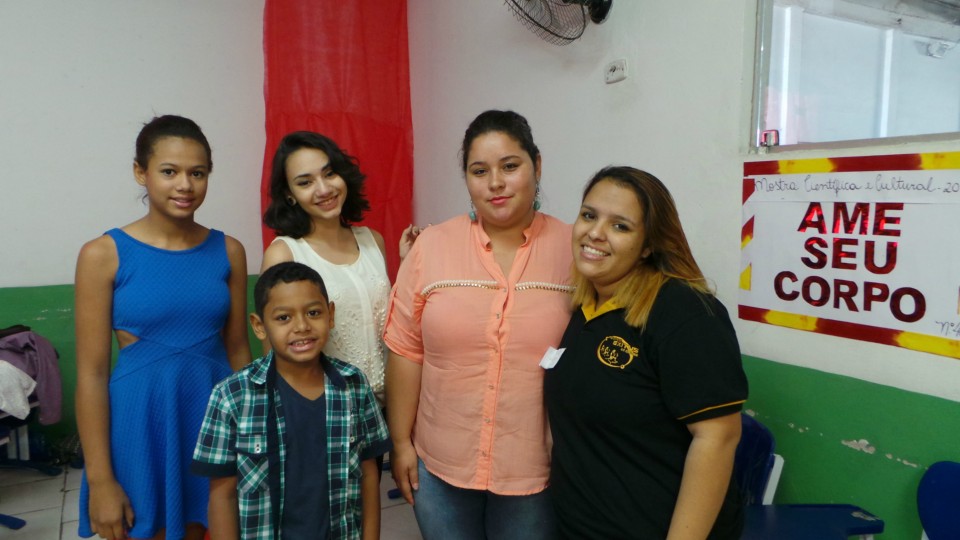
(614, 351)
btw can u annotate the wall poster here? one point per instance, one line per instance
(863, 248)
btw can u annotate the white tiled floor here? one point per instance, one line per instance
(49, 505)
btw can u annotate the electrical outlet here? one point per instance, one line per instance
(615, 71)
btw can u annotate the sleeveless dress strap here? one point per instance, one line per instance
(368, 245)
(300, 250)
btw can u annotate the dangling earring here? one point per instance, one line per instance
(536, 199)
(473, 212)
(291, 201)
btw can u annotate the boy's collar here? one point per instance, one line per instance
(264, 371)
(333, 375)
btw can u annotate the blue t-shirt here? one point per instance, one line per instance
(306, 512)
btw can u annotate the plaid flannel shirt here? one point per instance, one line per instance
(239, 437)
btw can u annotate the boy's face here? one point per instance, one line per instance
(296, 321)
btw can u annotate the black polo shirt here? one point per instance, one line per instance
(619, 401)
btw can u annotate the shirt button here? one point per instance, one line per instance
(484, 454)
(489, 387)
(487, 420)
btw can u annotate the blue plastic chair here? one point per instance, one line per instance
(756, 469)
(938, 501)
(754, 462)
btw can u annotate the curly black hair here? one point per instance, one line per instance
(293, 221)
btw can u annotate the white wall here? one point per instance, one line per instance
(79, 79)
(683, 114)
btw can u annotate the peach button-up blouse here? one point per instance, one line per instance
(479, 336)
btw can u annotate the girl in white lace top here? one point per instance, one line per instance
(316, 192)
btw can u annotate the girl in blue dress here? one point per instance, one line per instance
(174, 294)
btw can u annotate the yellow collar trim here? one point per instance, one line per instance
(591, 312)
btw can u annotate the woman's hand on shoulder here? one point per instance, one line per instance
(407, 238)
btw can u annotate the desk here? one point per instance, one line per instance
(808, 522)
(18, 446)
(18, 442)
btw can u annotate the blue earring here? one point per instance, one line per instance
(536, 199)
(473, 212)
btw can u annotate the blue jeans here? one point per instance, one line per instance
(445, 512)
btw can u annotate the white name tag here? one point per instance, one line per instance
(551, 357)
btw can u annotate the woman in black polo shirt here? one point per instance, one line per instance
(644, 400)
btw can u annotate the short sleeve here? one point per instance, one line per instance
(215, 453)
(374, 434)
(701, 370)
(402, 331)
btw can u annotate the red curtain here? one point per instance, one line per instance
(342, 69)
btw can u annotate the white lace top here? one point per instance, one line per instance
(360, 291)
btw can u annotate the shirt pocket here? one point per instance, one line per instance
(252, 462)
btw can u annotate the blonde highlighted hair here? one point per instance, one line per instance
(670, 256)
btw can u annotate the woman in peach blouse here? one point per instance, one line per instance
(477, 303)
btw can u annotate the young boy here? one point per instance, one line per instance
(290, 442)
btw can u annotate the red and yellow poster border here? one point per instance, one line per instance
(896, 162)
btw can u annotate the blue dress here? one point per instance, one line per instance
(176, 303)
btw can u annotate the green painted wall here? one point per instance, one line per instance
(48, 311)
(811, 413)
(818, 417)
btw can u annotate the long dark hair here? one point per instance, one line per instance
(293, 221)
